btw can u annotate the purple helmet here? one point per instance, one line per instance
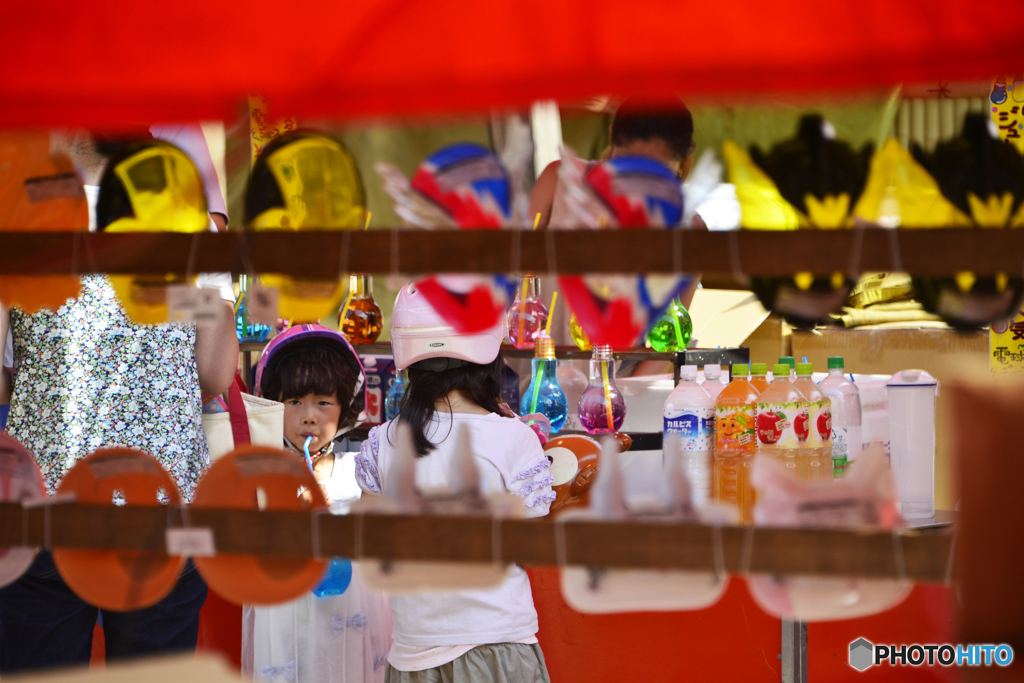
(311, 335)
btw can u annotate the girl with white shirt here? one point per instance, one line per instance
(337, 633)
(473, 635)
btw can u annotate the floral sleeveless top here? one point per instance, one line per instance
(87, 377)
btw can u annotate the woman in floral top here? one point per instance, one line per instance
(86, 377)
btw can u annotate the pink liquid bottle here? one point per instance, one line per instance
(528, 315)
(602, 407)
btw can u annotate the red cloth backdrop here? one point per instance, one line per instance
(107, 62)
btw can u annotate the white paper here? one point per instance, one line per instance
(187, 304)
(193, 542)
(261, 304)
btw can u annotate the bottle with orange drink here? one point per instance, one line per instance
(736, 443)
(759, 376)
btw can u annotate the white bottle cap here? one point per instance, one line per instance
(712, 371)
(688, 372)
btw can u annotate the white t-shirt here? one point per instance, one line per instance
(432, 629)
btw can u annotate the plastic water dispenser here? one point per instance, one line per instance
(912, 431)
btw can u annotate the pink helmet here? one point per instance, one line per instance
(418, 332)
(304, 336)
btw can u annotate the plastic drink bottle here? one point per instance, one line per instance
(759, 376)
(712, 381)
(782, 422)
(690, 413)
(544, 396)
(360, 319)
(245, 328)
(337, 578)
(527, 315)
(396, 392)
(791, 362)
(602, 407)
(673, 330)
(509, 383)
(846, 417)
(819, 424)
(579, 337)
(736, 443)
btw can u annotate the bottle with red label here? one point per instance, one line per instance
(736, 443)
(782, 420)
(818, 461)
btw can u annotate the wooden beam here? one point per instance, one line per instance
(719, 255)
(917, 555)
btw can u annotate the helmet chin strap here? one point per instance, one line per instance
(337, 437)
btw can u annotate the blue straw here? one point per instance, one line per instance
(851, 378)
(305, 447)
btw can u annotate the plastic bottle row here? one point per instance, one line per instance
(814, 430)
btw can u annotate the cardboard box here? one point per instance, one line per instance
(770, 341)
(946, 354)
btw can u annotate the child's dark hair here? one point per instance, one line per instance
(668, 120)
(480, 383)
(314, 370)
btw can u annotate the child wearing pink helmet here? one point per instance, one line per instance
(472, 635)
(340, 632)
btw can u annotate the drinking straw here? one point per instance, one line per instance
(547, 328)
(607, 394)
(344, 309)
(680, 345)
(540, 369)
(305, 447)
(369, 215)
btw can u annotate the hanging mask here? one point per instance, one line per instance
(982, 178)
(305, 181)
(466, 186)
(807, 182)
(259, 478)
(596, 590)
(863, 498)
(20, 482)
(625, 192)
(38, 191)
(150, 186)
(119, 580)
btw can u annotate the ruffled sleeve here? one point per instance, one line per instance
(367, 472)
(532, 479)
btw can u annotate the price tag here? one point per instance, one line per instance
(262, 304)
(194, 542)
(187, 304)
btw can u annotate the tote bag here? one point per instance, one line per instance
(249, 420)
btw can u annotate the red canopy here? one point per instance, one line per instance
(109, 61)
